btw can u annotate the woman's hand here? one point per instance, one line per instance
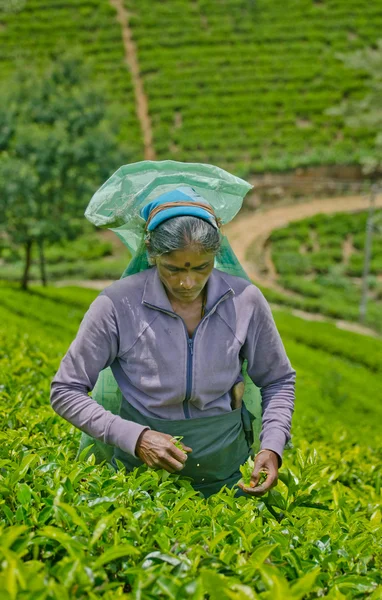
(266, 461)
(158, 450)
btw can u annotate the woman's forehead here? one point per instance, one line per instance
(186, 258)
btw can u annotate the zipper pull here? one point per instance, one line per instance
(191, 346)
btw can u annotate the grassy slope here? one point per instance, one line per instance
(246, 84)
(238, 83)
(39, 27)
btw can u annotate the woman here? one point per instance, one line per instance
(175, 336)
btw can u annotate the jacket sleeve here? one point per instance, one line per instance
(94, 348)
(271, 371)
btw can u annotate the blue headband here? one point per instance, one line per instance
(180, 194)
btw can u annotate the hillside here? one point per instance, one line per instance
(244, 84)
(35, 28)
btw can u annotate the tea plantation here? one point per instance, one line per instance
(320, 259)
(30, 31)
(90, 256)
(73, 529)
(235, 82)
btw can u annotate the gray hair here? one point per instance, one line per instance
(179, 233)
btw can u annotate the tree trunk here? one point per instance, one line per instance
(28, 256)
(42, 262)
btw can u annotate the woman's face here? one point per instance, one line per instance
(184, 273)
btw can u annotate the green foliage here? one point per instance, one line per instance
(231, 82)
(87, 257)
(87, 247)
(37, 29)
(321, 260)
(365, 114)
(58, 143)
(73, 529)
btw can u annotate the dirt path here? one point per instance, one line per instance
(254, 229)
(131, 58)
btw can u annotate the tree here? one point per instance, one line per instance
(57, 144)
(366, 113)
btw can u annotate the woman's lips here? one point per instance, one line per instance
(183, 293)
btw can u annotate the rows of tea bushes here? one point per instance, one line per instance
(90, 256)
(246, 84)
(239, 83)
(30, 30)
(100, 268)
(73, 529)
(320, 260)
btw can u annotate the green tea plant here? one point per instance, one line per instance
(37, 29)
(321, 259)
(204, 63)
(74, 529)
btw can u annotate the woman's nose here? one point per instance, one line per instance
(188, 282)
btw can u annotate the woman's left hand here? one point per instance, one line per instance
(266, 461)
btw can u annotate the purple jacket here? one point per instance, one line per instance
(132, 328)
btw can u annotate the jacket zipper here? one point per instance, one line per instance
(190, 349)
(186, 408)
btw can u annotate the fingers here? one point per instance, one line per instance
(170, 465)
(255, 477)
(159, 451)
(260, 490)
(187, 448)
(176, 453)
(176, 459)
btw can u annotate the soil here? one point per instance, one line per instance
(131, 58)
(347, 249)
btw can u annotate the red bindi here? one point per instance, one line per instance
(187, 264)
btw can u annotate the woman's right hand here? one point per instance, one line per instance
(158, 451)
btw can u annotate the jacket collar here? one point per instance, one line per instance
(154, 293)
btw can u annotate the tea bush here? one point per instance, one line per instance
(321, 260)
(35, 29)
(233, 83)
(73, 529)
(228, 82)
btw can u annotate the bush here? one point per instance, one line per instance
(77, 528)
(288, 263)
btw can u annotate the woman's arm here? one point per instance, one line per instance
(270, 369)
(95, 347)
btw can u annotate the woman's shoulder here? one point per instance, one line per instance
(239, 285)
(130, 287)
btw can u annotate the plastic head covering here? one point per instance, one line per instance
(122, 204)
(180, 202)
(119, 201)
